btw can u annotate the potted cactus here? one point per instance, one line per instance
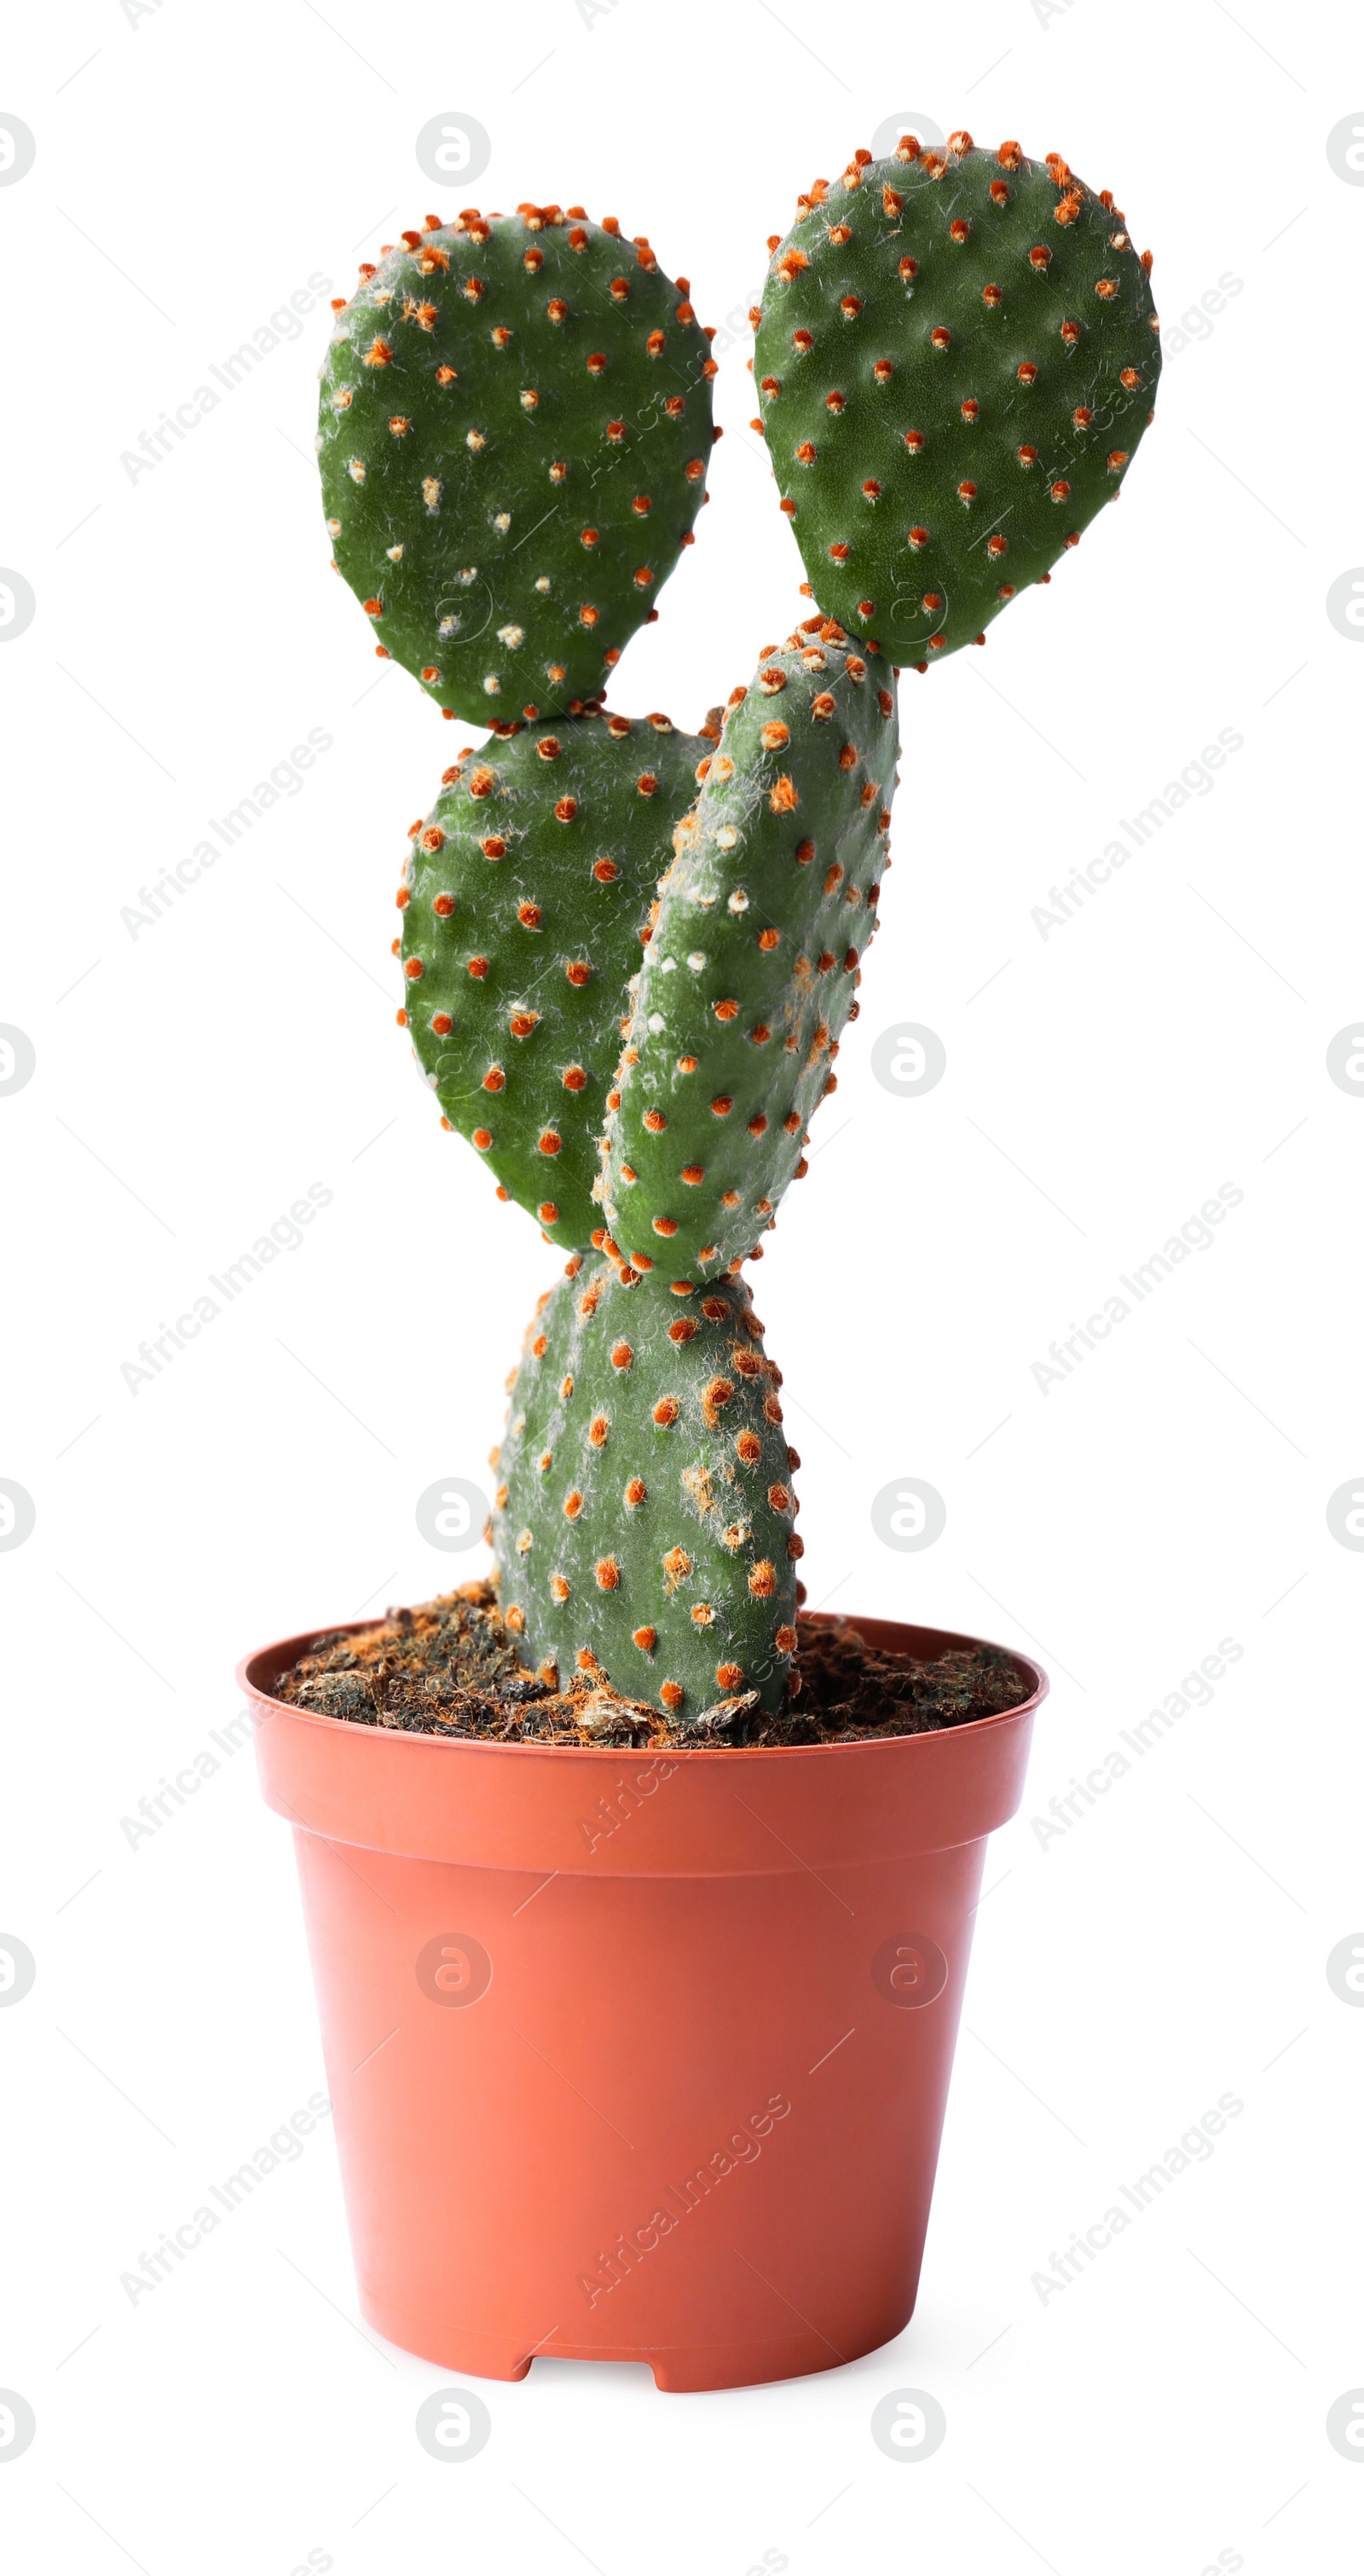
(639, 1899)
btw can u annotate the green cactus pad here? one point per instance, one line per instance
(515, 425)
(956, 358)
(751, 972)
(525, 899)
(645, 1524)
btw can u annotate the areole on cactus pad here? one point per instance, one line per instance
(515, 426)
(956, 358)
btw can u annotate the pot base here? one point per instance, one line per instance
(678, 2369)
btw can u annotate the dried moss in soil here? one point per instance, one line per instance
(450, 1667)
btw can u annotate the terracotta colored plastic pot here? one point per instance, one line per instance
(639, 2058)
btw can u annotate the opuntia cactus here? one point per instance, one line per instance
(629, 952)
(515, 427)
(956, 359)
(525, 900)
(645, 1523)
(751, 972)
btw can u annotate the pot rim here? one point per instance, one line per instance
(285, 1651)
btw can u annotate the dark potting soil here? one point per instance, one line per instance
(450, 1667)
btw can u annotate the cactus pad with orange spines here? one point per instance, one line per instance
(515, 426)
(644, 1527)
(752, 970)
(525, 912)
(957, 355)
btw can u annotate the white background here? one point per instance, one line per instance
(193, 167)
